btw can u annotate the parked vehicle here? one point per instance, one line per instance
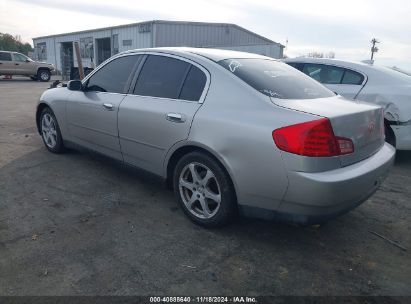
(228, 130)
(12, 63)
(389, 88)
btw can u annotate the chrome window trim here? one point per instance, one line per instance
(202, 68)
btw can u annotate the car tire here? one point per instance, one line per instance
(50, 131)
(390, 136)
(204, 190)
(43, 75)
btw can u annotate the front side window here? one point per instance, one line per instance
(324, 73)
(19, 57)
(5, 56)
(113, 76)
(276, 79)
(161, 77)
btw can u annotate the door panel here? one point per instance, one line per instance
(147, 133)
(92, 124)
(92, 113)
(166, 96)
(19, 64)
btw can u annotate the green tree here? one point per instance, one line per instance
(14, 44)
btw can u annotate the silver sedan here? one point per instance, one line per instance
(229, 131)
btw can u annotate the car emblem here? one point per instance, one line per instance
(371, 127)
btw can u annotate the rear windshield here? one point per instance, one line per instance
(276, 79)
(397, 73)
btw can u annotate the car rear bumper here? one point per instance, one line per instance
(317, 197)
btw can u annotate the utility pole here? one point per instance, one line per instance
(374, 49)
(285, 48)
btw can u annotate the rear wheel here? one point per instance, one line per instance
(44, 75)
(50, 131)
(204, 190)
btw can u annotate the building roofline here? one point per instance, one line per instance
(160, 22)
(94, 30)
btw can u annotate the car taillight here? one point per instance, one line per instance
(313, 138)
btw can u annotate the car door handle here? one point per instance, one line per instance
(108, 106)
(175, 117)
(16, 64)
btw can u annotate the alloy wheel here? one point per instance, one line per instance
(44, 75)
(199, 190)
(48, 130)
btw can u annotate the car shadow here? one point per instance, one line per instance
(403, 158)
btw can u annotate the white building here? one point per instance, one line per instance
(99, 44)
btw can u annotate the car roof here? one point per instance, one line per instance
(212, 54)
(375, 73)
(336, 62)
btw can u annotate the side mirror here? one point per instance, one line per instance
(75, 85)
(27, 60)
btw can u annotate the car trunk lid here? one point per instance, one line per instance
(362, 123)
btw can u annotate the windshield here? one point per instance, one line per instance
(276, 79)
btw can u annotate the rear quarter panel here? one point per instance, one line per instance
(395, 99)
(236, 123)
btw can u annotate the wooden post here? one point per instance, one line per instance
(79, 62)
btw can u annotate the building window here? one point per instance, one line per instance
(86, 47)
(41, 50)
(115, 44)
(144, 28)
(127, 42)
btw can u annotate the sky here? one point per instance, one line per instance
(343, 27)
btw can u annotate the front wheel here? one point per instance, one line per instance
(44, 75)
(50, 131)
(204, 190)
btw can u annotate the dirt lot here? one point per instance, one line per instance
(80, 224)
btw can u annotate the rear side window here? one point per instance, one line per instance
(276, 79)
(194, 85)
(162, 77)
(114, 76)
(5, 56)
(324, 73)
(351, 77)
